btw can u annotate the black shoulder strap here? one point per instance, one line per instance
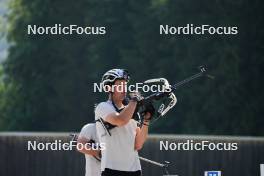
(108, 126)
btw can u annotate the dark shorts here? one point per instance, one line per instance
(111, 172)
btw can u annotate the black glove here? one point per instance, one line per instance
(148, 107)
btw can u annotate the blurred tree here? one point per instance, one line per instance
(48, 84)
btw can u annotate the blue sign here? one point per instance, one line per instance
(212, 173)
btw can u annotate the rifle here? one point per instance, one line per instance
(166, 93)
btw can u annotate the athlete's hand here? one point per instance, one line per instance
(149, 111)
(147, 116)
(135, 96)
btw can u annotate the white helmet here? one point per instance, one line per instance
(114, 74)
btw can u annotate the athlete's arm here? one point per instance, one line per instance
(142, 133)
(86, 148)
(124, 116)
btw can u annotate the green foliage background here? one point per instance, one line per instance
(47, 80)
